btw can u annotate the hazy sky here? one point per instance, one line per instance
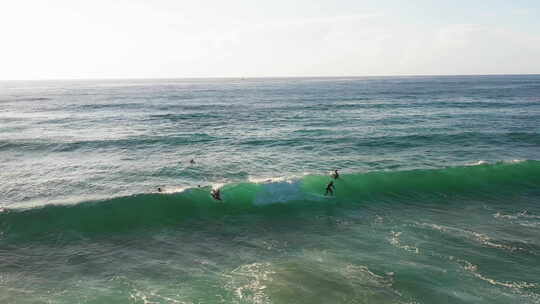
(43, 39)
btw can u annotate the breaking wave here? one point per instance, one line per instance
(268, 197)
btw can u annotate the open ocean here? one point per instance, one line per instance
(438, 199)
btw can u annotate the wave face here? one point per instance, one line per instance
(273, 198)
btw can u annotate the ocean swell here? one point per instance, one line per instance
(274, 197)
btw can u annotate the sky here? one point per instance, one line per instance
(76, 39)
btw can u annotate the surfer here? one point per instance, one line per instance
(216, 194)
(192, 161)
(335, 175)
(159, 189)
(330, 188)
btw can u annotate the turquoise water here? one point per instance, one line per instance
(438, 199)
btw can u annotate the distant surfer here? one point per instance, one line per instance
(330, 188)
(335, 175)
(216, 194)
(159, 189)
(192, 161)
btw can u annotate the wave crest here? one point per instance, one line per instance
(284, 195)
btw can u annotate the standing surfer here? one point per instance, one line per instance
(335, 175)
(330, 188)
(216, 194)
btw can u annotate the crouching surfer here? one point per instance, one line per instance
(330, 188)
(216, 194)
(335, 175)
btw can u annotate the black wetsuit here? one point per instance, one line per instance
(330, 188)
(216, 195)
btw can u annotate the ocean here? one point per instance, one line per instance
(438, 198)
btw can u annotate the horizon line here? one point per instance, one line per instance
(265, 77)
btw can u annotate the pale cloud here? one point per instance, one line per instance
(521, 11)
(105, 39)
(474, 49)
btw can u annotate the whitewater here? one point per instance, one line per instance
(438, 199)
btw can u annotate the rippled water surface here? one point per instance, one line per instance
(438, 199)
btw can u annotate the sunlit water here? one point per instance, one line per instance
(438, 199)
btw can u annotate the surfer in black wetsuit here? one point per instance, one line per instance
(216, 194)
(335, 175)
(192, 161)
(159, 189)
(330, 188)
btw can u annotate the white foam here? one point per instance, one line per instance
(485, 162)
(216, 186)
(396, 242)
(264, 180)
(473, 269)
(478, 163)
(481, 238)
(522, 214)
(505, 216)
(248, 282)
(151, 297)
(173, 190)
(274, 179)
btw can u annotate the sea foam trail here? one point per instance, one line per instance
(282, 196)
